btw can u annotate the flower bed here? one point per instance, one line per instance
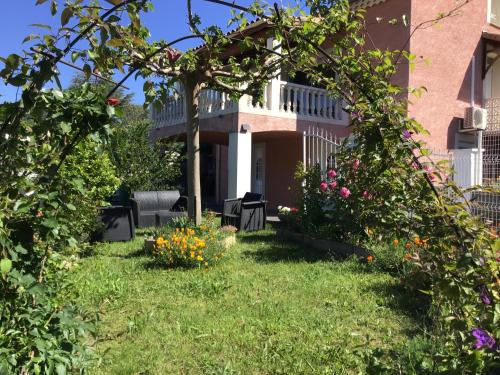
(192, 246)
(337, 249)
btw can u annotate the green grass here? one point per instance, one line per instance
(270, 308)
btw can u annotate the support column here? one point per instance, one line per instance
(274, 86)
(239, 163)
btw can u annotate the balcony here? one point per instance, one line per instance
(281, 99)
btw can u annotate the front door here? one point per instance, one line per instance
(259, 168)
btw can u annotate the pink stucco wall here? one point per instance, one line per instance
(382, 35)
(449, 48)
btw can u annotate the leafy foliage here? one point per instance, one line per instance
(88, 181)
(140, 165)
(384, 185)
(41, 330)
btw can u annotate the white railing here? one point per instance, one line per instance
(281, 99)
(308, 101)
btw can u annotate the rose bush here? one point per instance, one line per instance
(385, 185)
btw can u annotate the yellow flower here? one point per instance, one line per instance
(191, 254)
(199, 258)
(206, 264)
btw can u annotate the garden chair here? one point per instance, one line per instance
(116, 224)
(246, 214)
(157, 208)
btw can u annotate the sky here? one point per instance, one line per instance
(168, 21)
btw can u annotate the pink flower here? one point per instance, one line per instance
(429, 170)
(355, 164)
(113, 102)
(323, 186)
(414, 165)
(367, 195)
(344, 192)
(331, 174)
(332, 185)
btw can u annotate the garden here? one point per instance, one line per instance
(408, 283)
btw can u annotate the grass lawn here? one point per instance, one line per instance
(270, 308)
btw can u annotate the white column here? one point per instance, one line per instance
(273, 89)
(239, 164)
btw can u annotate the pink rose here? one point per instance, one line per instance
(332, 185)
(331, 174)
(323, 186)
(344, 192)
(428, 169)
(367, 195)
(355, 164)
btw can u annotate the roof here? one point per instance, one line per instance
(365, 3)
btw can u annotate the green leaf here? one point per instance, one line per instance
(66, 16)
(31, 37)
(50, 223)
(496, 316)
(61, 369)
(87, 70)
(53, 7)
(5, 266)
(114, 2)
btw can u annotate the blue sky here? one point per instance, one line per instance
(167, 21)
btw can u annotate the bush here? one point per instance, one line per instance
(40, 329)
(90, 167)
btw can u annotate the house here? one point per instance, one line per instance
(248, 147)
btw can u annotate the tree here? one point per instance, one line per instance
(139, 163)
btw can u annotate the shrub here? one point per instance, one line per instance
(90, 167)
(40, 329)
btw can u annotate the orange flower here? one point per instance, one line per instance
(395, 242)
(408, 245)
(408, 256)
(369, 258)
(417, 241)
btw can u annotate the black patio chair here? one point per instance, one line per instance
(246, 214)
(155, 208)
(116, 224)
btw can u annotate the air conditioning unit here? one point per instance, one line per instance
(475, 119)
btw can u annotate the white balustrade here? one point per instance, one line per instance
(295, 101)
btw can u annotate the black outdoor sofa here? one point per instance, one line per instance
(157, 208)
(246, 214)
